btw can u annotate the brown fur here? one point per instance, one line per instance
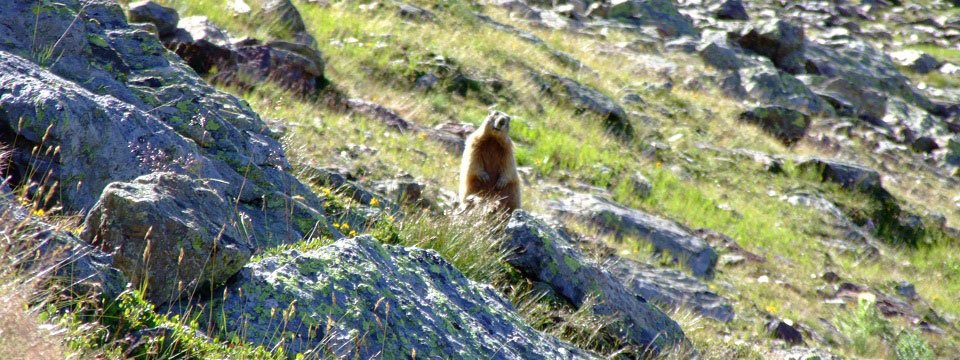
(489, 151)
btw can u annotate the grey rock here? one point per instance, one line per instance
(717, 52)
(849, 176)
(918, 61)
(863, 65)
(586, 99)
(59, 256)
(403, 190)
(119, 106)
(357, 298)
(543, 254)
(662, 14)
(665, 235)
(865, 102)
(280, 12)
(785, 124)
(293, 66)
(730, 10)
(779, 40)
(759, 80)
(164, 18)
(907, 290)
(413, 12)
(640, 185)
(784, 331)
(169, 232)
(670, 288)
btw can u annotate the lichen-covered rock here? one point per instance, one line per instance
(670, 288)
(864, 102)
(585, 98)
(359, 299)
(543, 254)
(665, 235)
(730, 10)
(117, 105)
(756, 78)
(170, 232)
(785, 124)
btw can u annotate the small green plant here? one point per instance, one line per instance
(864, 326)
(911, 346)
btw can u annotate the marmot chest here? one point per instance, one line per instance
(493, 155)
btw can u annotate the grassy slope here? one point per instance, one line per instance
(378, 66)
(373, 54)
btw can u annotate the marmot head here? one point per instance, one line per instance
(496, 123)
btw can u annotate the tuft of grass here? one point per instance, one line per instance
(865, 327)
(911, 346)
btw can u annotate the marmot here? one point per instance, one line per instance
(489, 168)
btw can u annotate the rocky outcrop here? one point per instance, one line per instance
(543, 254)
(246, 63)
(357, 298)
(111, 105)
(661, 14)
(170, 232)
(665, 235)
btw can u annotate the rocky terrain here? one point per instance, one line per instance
(276, 179)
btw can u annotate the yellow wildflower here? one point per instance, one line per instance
(374, 202)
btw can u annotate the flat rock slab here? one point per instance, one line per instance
(671, 288)
(665, 235)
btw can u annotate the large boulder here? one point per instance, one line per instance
(663, 234)
(171, 233)
(545, 255)
(779, 40)
(359, 299)
(116, 105)
(785, 124)
(586, 98)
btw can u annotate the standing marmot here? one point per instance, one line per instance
(489, 168)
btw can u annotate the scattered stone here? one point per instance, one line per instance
(164, 18)
(665, 235)
(785, 124)
(918, 61)
(830, 277)
(641, 185)
(907, 290)
(400, 300)
(784, 330)
(730, 10)
(866, 102)
(403, 190)
(543, 254)
(170, 233)
(413, 12)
